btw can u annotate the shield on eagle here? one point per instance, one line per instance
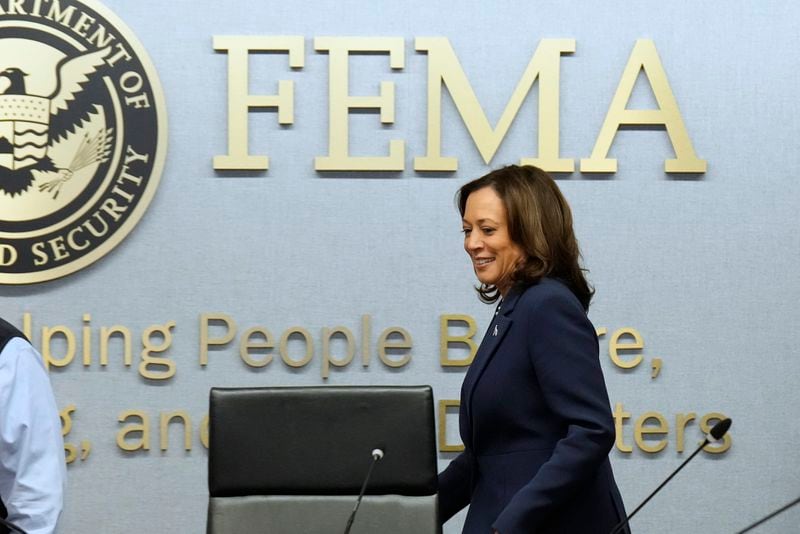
(31, 125)
(24, 128)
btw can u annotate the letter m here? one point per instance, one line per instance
(445, 69)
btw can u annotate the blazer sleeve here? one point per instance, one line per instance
(455, 486)
(563, 348)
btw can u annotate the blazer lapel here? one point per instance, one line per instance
(500, 324)
(495, 334)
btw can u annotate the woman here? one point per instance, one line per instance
(535, 417)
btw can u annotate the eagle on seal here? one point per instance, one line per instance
(31, 124)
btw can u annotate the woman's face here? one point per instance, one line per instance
(487, 241)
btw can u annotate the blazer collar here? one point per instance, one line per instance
(510, 300)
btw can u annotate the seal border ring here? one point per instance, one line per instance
(159, 161)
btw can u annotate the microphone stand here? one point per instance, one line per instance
(627, 520)
(770, 516)
(716, 433)
(377, 454)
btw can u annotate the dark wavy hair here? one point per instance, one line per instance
(540, 222)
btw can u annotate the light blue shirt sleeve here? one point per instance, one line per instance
(32, 467)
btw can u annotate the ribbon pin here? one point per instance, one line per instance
(495, 330)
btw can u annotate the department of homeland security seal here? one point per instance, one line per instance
(82, 136)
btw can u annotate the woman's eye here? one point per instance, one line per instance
(466, 231)
(488, 231)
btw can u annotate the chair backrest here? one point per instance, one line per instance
(292, 460)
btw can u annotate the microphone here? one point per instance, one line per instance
(770, 516)
(11, 526)
(718, 430)
(377, 455)
(715, 434)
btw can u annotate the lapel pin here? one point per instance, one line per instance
(495, 330)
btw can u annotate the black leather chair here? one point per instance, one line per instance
(292, 460)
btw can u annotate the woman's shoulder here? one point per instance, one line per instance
(549, 292)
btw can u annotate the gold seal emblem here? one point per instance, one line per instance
(82, 136)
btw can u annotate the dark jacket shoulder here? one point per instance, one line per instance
(548, 292)
(7, 333)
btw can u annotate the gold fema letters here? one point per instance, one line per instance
(444, 69)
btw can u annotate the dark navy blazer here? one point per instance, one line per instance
(536, 424)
